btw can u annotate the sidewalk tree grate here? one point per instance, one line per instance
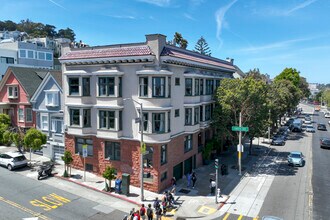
(185, 191)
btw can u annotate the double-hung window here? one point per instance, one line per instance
(112, 150)
(28, 114)
(143, 86)
(20, 114)
(201, 115)
(86, 118)
(201, 86)
(74, 86)
(22, 53)
(57, 125)
(209, 87)
(44, 122)
(12, 92)
(74, 117)
(158, 86)
(79, 146)
(196, 87)
(51, 98)
(158, 122)
(145, 122)
(207, 112)
(163, 154)
(188, 84)
(188, 116)
(107, 119)
(196, 115)
(106, 86)
(188, 144)
(86, 88)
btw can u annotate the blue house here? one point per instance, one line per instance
(48, 105)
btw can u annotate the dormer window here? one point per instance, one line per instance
(51, 98)
(12, 92)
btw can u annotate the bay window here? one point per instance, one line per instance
(158, 122)
(158, 86)
(188, 87)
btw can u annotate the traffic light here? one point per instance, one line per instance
(216, 163)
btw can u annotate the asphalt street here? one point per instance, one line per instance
(289, 195)
(23, 197)
(321, 177)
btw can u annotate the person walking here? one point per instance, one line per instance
(173, 183)
(158, 212)
(212, 186)
(143, 212)
(150, 213)
(193, 178)
(188, 180)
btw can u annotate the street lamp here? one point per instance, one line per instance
(141, 144)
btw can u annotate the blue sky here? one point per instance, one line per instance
(265, 34)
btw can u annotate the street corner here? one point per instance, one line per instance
(222, 201)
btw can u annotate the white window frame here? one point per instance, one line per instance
(39, 55)
(51, 56)
(55, 97)
(20, 53)
(14, 92)
(20, 114)
(44, 122)
(29, 53)
(27, 114)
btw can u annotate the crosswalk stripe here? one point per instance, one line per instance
(226, 216)
(240, 217)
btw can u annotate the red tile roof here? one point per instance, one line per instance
(90, 53)
(196, 57)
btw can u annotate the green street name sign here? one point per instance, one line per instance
(237, 128)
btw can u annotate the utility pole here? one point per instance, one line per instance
(216, 165)
(141, 147)
(269, 127)
(240, 146)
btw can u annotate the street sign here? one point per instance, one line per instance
(241, 149)
(216, 164)
(237, 128)
(84, 148)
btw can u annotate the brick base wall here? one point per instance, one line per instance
(130, 159)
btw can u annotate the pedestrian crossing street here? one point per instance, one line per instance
(230, 216)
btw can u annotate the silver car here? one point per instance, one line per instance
(310, 128)
(13, 160)
(296, 158)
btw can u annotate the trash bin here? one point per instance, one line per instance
(118, 186)
(125, 183)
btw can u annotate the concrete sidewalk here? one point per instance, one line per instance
(190, 202)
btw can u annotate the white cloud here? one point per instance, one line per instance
(122, 16)
(220, 16)
(300, 6)
(188, 16)
(272, 46)
(55, 3)
(160, 3)
(196, 3)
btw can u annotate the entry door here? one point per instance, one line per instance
(177, 171)
(188, 165)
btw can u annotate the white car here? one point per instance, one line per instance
(327, 115)
(308, 122)
(310, 128)
(13, 160)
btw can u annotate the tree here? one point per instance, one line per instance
(179, 40)
(303, 86)
(18, 138)
(290, 74)
(67, 158)
(50, 30)
(4, 125)
(247, 96)
(255, 73)
(109, 174)
(67, 33)
(202, 47)
(34, 139)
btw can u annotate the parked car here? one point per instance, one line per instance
(321, 127)
(310, 128)
(325, 142)
(13, 160)
(308, 121)
(327, 115)
(280, 141)
(296, 158)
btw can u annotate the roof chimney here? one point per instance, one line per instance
(156, 42)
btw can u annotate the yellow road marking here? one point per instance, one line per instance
(240, 217)
(206, 210)
(256, 218)
(35, 214)
(226, 216)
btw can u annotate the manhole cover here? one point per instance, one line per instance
(185, 191)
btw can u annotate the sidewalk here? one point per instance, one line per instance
(191, 202)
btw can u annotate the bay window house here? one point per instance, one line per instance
(104, 88)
